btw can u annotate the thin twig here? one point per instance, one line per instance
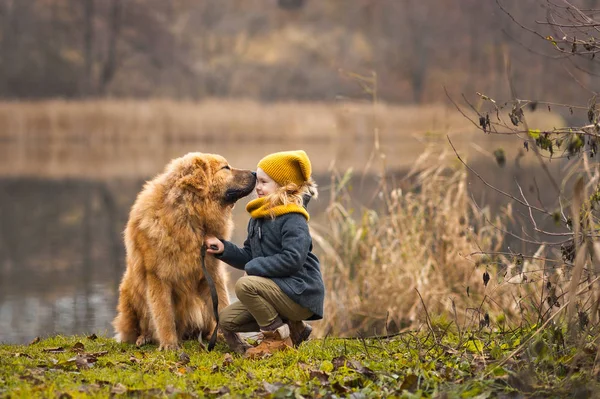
(427, 316)
(491, 186)
(535, 226)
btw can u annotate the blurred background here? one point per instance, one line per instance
(96, 96)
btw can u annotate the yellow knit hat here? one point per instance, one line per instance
(287, 167)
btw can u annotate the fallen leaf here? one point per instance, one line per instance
(218, 392)
(367, 372)
(81, 362)
(35, 341)
(227, 360)
(78, 347)
(352, 381)
(32, 379)
(59, 349)
(92, 337)
(86, 388)
(272, 388)
(170, 390)
(322, 376)
(184, 358)
(410, 383)
(93, 357)
(303, 365)
(339, 388)
(339, 362)
(118, 389)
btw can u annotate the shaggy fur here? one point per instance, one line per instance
(164, 296)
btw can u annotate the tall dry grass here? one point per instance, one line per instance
(112, 138)
(239, 120)
(422, 251)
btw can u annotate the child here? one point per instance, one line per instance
(283, 285)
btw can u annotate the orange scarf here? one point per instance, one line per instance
(260, 208)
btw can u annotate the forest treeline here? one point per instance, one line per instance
(275, 50)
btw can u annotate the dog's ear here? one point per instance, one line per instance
(194, 177)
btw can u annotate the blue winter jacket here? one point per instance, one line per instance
(281, 249)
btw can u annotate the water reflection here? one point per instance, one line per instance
(24, 317)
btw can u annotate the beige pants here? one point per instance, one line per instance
(261, 301)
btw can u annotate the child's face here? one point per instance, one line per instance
(264, 184)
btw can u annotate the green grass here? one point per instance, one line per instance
(434, 363)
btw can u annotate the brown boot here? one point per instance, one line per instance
(276, 338)
(299, 331)
(235, 342)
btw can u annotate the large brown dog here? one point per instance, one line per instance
(164, 296)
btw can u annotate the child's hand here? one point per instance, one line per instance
(213, 245)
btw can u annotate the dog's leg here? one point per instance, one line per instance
(126, 323)
(163, 313)
(145, 336)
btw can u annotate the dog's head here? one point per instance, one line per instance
(209, 177)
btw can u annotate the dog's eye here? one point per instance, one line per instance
(226, 167)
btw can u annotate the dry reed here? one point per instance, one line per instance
(116, 137)
(378, 262)
(225, 120)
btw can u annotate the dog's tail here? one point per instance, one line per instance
(126, 324)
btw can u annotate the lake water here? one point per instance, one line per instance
(64, 205)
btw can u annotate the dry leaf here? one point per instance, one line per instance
(118, 389)
(78, 347)
(59, 349)
(227, 360)
(322, 376)
(81, 362)
(410, 383)
(184, 358)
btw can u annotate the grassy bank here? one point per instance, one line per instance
(431, 363)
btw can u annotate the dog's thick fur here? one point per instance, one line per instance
(164, 296)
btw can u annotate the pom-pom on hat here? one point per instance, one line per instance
(287, 167)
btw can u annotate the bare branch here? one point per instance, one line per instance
(493, 187)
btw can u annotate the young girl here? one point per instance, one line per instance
(283, 285)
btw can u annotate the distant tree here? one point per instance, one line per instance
(114, 29)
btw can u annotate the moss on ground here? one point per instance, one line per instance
(414, 364)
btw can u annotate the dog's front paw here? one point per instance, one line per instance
(168, 346)
(143, 340)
